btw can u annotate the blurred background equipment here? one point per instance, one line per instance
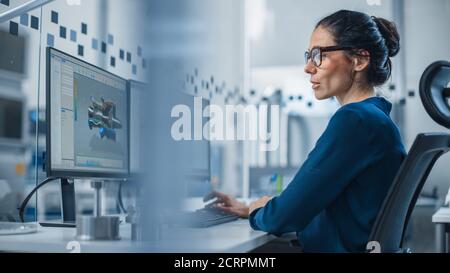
(13, 125)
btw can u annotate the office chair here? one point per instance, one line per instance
(392, 220)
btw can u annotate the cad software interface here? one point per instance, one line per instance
(89, 124)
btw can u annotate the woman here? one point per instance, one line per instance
(333, 201)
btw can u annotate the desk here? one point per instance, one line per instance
(442, 220)
(236, 236)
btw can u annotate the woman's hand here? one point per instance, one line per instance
(259, 203)
(231, 205)
(228, 204)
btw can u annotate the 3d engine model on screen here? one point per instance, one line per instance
(102, 115)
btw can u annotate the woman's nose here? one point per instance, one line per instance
(310, 68)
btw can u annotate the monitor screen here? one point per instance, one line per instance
(11, 119)
(197, 151)
(137, 104)
(12, 53)
(201, 148)
(88, 115)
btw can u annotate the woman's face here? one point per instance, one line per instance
(334, 76)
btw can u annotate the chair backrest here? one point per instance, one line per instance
(393, 218)
(396, 210)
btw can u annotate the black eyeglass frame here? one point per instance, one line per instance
(308, 54)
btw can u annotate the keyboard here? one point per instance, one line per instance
(7, 228)
(207, 217)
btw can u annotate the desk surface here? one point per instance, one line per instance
(442, 216)
(234, 236)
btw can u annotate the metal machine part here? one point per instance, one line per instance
(97, 227)
(91, 228)
(133, 219)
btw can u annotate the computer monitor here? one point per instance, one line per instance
(137, 104)
(12, 54)
(11, 120)
(87, 118)
(197, 152)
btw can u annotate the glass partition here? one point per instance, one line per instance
(20, 36)
(103, 33)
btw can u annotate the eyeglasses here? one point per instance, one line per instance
(315, 54)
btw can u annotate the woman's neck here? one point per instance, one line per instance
(355, 94)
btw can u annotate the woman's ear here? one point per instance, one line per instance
(361, 60)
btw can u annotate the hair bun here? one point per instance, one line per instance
(390, 34)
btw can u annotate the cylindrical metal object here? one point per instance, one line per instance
(91, 228)
(97, 186)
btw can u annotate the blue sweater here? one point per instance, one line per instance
(334, 199)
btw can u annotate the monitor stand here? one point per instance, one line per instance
(68, 208)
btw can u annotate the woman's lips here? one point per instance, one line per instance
(315, 85)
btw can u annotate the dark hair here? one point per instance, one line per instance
(376, 35)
